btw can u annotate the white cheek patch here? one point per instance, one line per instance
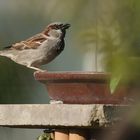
(59, 32)
(55, 33)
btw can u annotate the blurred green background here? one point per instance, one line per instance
(104, 36)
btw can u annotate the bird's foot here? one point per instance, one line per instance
(40, 70)
(37, 69)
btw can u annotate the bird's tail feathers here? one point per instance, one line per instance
(6, 53)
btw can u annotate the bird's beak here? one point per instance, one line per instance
(65, 26)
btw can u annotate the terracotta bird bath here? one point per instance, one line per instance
(80, 87)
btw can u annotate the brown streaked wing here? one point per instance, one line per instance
(31, 43)
(35, 37)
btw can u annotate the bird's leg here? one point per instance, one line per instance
(35, 68)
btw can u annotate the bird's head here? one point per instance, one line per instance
(56, 30)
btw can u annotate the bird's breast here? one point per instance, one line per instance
(49, 50)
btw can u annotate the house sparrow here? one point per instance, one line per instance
(39, 49)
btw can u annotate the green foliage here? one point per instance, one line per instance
(45, 136)
(114, 83)
(117, 35)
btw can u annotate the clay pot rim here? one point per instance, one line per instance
(72, 76)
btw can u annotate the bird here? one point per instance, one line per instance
(39, 49)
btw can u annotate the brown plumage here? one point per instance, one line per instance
(39, 49)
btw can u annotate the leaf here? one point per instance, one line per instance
(115, 80)
(45, 136)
